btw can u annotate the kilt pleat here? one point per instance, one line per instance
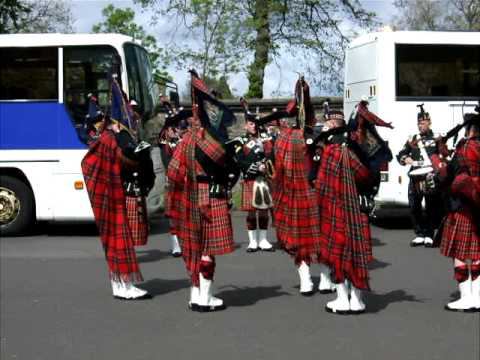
(137, 220)
(247, 195)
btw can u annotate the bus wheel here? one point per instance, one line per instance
(16, 206)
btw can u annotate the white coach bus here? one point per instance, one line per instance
(44, 83)
(397, 71)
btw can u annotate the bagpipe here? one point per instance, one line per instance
(465, 185)
(137, 166)
(175, 115)
(362, 127)
(214, 117)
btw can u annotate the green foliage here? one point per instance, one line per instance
(209, 38)
(122, 21)
(220, 86)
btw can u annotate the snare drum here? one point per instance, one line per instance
(423, 179)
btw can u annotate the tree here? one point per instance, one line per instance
(437, 15)
(252, 33)
(312, 28)
(35, 16)
(465, 15)
(208, 35)
(122, 21)
(11, 11)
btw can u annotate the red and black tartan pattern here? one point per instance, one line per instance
(137, 220)
(467, 181)
(211, 147)
(203, 223)
(461, 230)
(247, 195)
(296, 210)
(345, 232)
(101, 168)
(173, 198)
(460, 236)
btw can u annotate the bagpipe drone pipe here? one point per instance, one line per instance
(215, 117)
(367, 144)
(137, 170)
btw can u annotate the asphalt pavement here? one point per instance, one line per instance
(56, 303)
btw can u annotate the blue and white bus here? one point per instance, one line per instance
(45, 80)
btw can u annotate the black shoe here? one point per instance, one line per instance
(339, 312)
(356, 312)
(176, 254)
(252, 250)
(204, 309)
(272, 249)
(193, 307)
(323, 292)
(147, 296)
(307, 293)
(471, 310)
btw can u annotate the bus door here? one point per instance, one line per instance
(86, 71)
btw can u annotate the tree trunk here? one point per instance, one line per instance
(263, 43)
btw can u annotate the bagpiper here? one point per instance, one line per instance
(201, 174)
(168, 139)
(344, 229)
(420, 151)
(254, 152)
(460, 234)
(117, 178)
(296, 212)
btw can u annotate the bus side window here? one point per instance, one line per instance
(29, 74)
(86, 71)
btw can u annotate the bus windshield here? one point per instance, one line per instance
(141, 85)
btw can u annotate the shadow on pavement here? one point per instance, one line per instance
(394, 223)
(146, 256)
(377, 302)
(161, 286)
(65, 229)
(378, 264)
(246, 296)
(377, 242)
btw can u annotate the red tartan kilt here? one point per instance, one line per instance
(297, 222)
(460, 236)
(137, 220)
(217, 233)
(247, 195)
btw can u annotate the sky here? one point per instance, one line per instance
(279, 77)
